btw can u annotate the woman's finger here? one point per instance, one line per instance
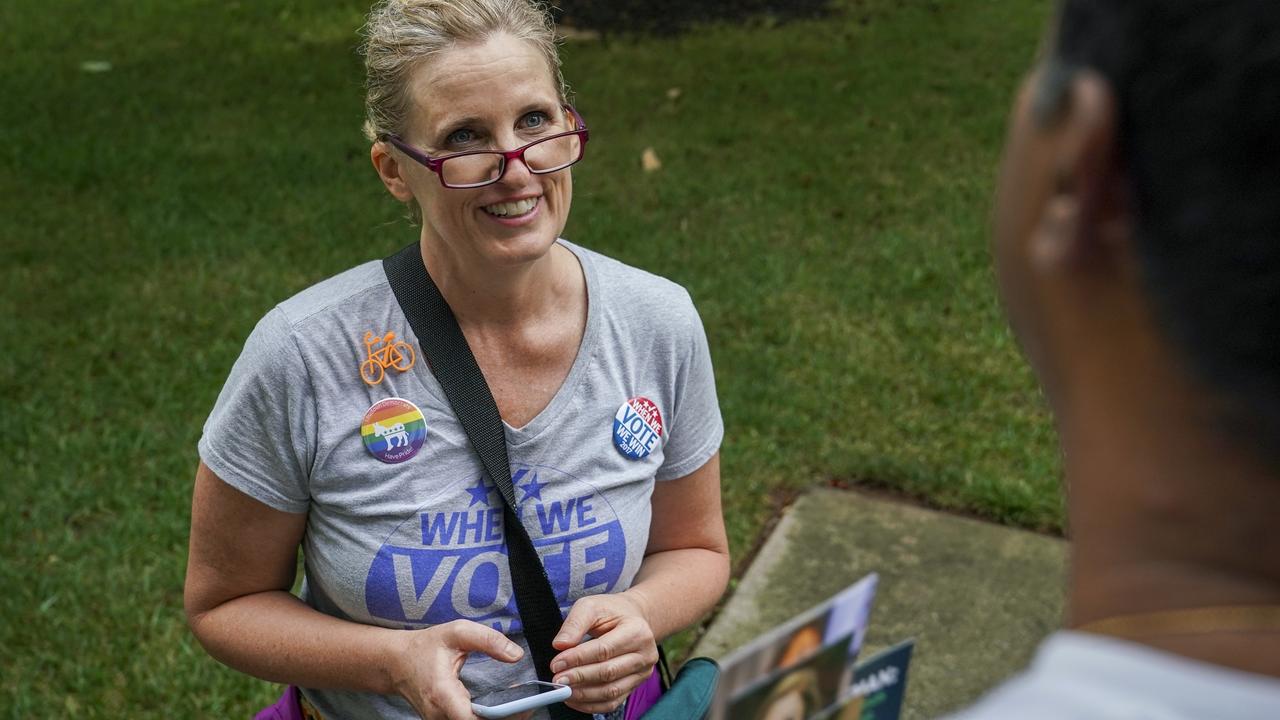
(435, 656)
(625, 638)
(617, 690)
(582, 618)
(611, 670)
(459, 708)
(605, 700)
(600, 699)
(446, 698)
(467, 636)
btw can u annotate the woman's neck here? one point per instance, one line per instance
(489, 295)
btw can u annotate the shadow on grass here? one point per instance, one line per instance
(670, 17)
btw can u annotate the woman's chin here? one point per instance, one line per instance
(481, 240)
(515, 249)
(506, 244)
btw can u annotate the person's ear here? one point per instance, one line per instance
(390, 170)
(1087, 218)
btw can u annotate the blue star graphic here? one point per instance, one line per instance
(532, 489)
(479, 493)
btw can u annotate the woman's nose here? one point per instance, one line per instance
(516, 171)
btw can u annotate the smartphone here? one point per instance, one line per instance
(518, 698)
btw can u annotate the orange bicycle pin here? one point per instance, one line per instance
(388, 353)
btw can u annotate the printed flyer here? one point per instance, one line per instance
(879, 686)
(802, 666)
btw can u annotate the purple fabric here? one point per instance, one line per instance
(643, 697)
(286, 708)
(638, 702)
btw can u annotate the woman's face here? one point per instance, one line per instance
(498, 94)
(787, 707)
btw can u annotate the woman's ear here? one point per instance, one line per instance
(388, 167)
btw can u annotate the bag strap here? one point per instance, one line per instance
(451, 360)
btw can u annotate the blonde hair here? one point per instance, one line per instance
(400, 35)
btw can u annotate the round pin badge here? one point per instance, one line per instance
(393, 430)
(637, 428)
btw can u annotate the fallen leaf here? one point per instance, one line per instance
(649, 161)
(673, 94)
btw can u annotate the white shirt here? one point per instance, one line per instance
(1078, 675)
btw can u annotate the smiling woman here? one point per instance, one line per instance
(484, 95)
(330, 437)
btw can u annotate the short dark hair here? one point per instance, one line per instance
(1198, 89)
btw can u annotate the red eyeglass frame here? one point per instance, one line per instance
(436, 164)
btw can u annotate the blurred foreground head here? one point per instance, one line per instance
(1167, 171)
(1137, 239)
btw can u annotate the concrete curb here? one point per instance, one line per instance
(977, 597)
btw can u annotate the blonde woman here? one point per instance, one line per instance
(333, 436)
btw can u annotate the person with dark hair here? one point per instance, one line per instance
(1137, 242)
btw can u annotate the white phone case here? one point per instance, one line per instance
(560, 693)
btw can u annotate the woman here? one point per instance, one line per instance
(332, 435)
(795, 697)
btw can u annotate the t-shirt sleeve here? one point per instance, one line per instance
(695, 426)
(260, 437)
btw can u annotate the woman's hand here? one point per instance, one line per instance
(619, 656)
(427, 664)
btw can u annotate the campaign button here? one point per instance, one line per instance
(637, 428)
(393, 430)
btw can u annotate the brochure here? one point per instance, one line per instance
(807, 662)
(879, 686)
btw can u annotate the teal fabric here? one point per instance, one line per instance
(691, 692)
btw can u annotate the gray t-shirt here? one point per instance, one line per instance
(326, 413)
(1082, 676)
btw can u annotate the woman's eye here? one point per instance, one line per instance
(460, 137)
(535, 120)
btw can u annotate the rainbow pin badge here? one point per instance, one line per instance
(393, 430)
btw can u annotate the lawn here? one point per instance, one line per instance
(823, 196)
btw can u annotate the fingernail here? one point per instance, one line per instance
(512, 649)
(557, 666)
(561, 638)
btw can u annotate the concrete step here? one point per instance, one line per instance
(978, 597)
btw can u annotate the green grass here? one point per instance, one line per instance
(823, 196)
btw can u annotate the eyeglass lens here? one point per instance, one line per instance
(546, 156)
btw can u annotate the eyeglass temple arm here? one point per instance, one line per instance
(577, 117)
(412, 152)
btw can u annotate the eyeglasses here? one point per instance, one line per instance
(478, 168)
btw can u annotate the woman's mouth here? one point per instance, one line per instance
(512, 210)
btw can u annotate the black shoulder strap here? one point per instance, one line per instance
(446, 350)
